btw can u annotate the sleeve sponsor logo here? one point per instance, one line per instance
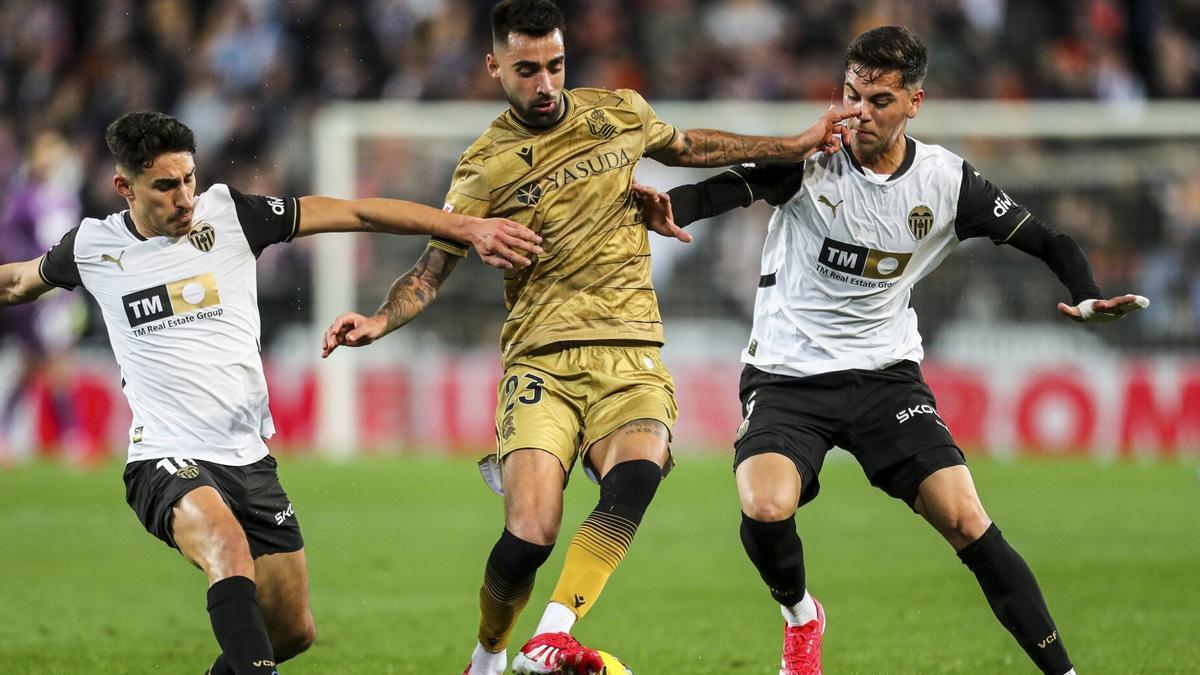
(277, 205)
(177, 298)
(1003, 205)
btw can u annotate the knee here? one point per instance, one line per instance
(767, 508)
(542, 531)
(296, 640)
(963, 526)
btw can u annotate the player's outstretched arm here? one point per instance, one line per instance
(498, 241)
(408, 297)
(20, 282)
(712, 147)
(1069, 263)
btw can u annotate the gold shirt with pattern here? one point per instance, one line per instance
(570, 183)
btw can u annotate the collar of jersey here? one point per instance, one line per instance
(130, 226)
(910, 154)
(516, 121)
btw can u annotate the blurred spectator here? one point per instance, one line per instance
(39, 210)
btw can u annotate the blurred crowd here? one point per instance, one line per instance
(248, 76)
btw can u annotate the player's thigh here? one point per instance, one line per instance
(533, 482)
(947, 498)
(538, 408)
(207, 533)
(183, 503)
(631, 407)
(282, 580)
(896, 433)
(780, 447)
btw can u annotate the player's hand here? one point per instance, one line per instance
(501, 242)
(353, 330)
(827, 135)
(657, 213)
(1104, 311)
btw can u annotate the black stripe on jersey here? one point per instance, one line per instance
(128, 220)
(766, 280)
(58, 266)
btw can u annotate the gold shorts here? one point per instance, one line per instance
(563, 401)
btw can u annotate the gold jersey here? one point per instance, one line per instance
(570, 183)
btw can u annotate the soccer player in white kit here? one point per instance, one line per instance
(834, 351)
(174, 276)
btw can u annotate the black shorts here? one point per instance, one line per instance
(252, 492)
(886, 418)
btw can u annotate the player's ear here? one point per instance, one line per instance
(123, 185)
(493, 65)
(915, 106)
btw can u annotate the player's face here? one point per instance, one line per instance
(531, 70)
(886, 106)
(162, 195)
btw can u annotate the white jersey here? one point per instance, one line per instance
(182, 317)
(845, 247)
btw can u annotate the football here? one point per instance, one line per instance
(594, 662)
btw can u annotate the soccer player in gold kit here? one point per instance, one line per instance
(583, 377)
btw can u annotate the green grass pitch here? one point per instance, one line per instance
(397, 548)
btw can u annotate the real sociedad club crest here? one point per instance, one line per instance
(203, 236)
(920, 221)
(600, 126)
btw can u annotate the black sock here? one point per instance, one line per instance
(220, 667)
(507, 586)
(1016, 599)
(238, 624)
(776, 551)
(628, 488)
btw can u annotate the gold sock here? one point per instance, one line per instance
(597, 548)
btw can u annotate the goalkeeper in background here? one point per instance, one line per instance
(834, 351)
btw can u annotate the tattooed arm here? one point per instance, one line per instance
(408, 297)
(711, 147)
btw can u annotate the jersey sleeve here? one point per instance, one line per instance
(737, 187)
(58, 266)
(266, 220)
(984, 210)
(469, 194)
(659, 134)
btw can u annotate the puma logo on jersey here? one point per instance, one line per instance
(834, 207)
(116, 261)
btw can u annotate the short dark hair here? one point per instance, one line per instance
(534, 18)
(136, 139)
(888, 48)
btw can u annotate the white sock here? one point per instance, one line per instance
(1070, 672)
(558, 619)
(800, 613)
(484, 662)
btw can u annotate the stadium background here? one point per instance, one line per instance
(1014, 379)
